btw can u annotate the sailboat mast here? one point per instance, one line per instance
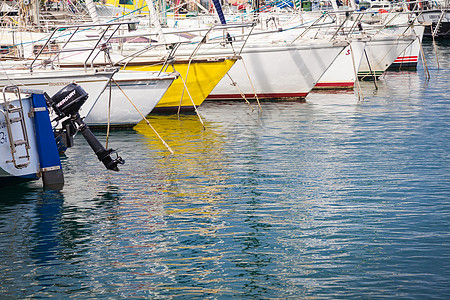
(35, 12)
(155, 20)
(255, 8)
(164, 12)
(92, 11)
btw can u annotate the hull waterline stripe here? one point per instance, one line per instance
(260, 95)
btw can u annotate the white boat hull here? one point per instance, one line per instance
(8, 171)
(277, 72)
(380, 53)
(342, 73)
(410, 56)
(144, 89)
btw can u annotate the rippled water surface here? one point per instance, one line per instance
(332, 198)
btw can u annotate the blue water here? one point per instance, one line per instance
(333, 198)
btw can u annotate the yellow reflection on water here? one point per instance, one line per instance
(196, 169)
(184, 134)
(194, 180)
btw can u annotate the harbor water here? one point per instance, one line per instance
(334, 198)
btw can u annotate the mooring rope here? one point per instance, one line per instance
(145, 119)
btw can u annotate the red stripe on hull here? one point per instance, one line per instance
(415, 57)
(406, 59)
(261, 96)
(339, 85)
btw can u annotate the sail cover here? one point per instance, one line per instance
(219, 11)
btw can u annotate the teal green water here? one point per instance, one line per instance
(332, 198)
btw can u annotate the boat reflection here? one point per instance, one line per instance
(196, 168)
(44, 239)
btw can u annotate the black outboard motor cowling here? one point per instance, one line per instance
(67, 103)
(68, 100)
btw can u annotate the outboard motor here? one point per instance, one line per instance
(66, 103)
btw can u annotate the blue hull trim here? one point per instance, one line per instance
(52, 174)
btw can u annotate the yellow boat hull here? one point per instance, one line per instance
(200, 77)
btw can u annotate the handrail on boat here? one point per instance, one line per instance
(10, 109)
(106, 35)
(172, 47)
(77, 28)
